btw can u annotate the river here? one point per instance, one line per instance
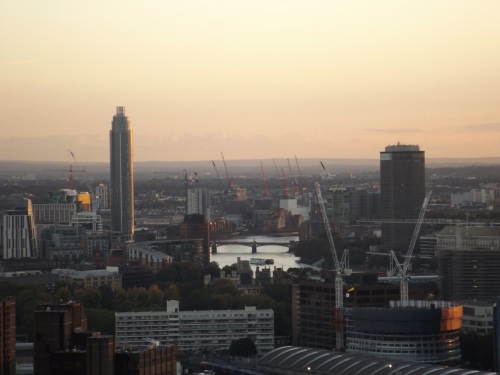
(228, 254)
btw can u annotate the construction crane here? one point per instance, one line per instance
(218, 175)
(284, 188)
(326, 174)
(292, 179)
(70, 171)
(265, 192)
(403, 269)
(341, 269)
(301, 179)
(229, 178)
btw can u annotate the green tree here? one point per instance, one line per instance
(63, 294)
(242, 348)
(107, 296)
(101, 320)
(26, 300)
(156, 298)
(213, 269)
(171, 292)
(89, 297)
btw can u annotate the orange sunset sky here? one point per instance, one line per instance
(253, 79)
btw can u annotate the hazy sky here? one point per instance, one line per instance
(253, 79)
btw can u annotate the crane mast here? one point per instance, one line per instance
(229, 178)
(301, 179)
(292, 179)
(284, 189)
(218, 175)
(265, 192)
(403, 269)
(340, 270)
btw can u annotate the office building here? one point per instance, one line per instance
(210, 330)
(122, 174)
(402, 190)
(478, 317)
(313, 304)
(424, 331)
(19, 232)
(468, 261)
(8, 336)
(195, 227)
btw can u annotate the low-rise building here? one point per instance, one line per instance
(209, 330)
(91, 278)
(478, 317)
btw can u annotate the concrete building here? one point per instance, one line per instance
(153, 259)
(402, 192)
(195, 227)
(473, 197)
(198, 202)
(478, 317)
(122, 174)
(291, 205)
(468, 259)
(8, 336)
(19, 232)
(63, 346)
(153, 360)
(102, 197)
(54, 213)
(313, 304)
(91, 278)
(211, 330)
(61, 241)
(55, 326)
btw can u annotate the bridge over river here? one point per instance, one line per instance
(252, 244)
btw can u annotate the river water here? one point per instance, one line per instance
(228, 254)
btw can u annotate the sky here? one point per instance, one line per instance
(252, 79)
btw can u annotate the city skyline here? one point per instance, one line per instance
(252, 79)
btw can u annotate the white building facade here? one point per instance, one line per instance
(211, 330)
(19, 232)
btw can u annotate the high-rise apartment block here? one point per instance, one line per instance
(102, 197)
(19, 232)
(402, 190)
(198, 202)
(122, 174)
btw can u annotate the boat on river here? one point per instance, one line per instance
(261, 261)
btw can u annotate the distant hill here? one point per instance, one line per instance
(241, 168)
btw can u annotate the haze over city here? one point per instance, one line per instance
(254, 79)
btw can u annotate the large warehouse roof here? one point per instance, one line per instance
(293, 360)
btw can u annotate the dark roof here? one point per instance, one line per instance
(298, 360)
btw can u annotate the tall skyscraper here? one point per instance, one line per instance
(122, 174)
(402, 192)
